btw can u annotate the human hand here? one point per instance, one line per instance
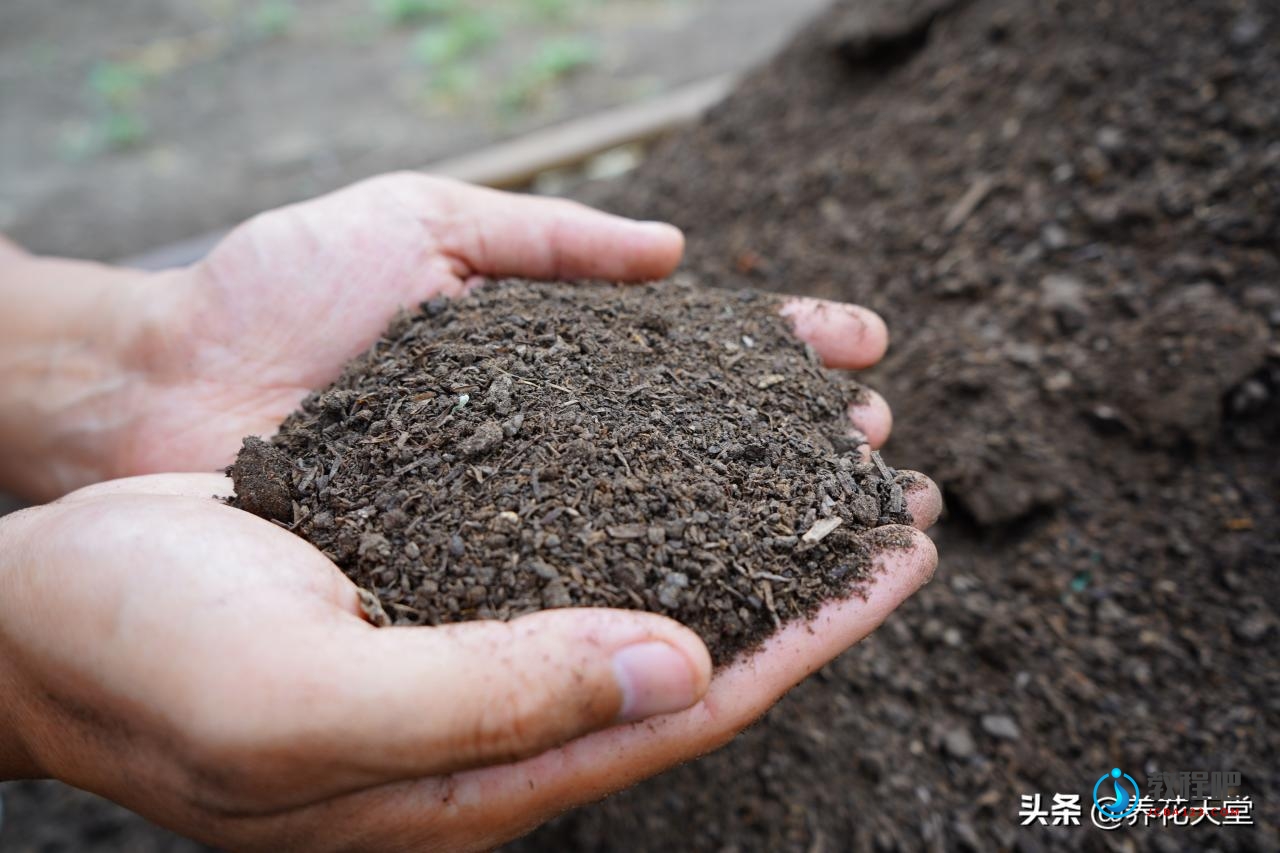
(212, 671)
(168, 371)
(232, 690)
(152, 372)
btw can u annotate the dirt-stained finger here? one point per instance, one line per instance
(847, 337)
(872, 417)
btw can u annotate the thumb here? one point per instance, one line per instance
(495, 233)
(411, 702)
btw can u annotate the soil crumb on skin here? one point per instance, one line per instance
(663, 448)
(265, 480)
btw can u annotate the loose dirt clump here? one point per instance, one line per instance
(663, 448)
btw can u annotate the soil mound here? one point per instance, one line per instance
(1069, 214)
(664, 448)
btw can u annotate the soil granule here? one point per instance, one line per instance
(663, 448)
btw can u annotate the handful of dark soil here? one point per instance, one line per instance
(663, 448)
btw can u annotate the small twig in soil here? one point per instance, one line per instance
(886, 473)
(821, 529)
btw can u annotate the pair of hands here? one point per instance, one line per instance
(213, 672)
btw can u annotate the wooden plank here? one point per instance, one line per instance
(519, 161)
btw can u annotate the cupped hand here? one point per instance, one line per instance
(228, 347)
(236, 341)
(213, 672)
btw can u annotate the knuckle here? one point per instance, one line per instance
(17, 522)
(407, 180)
(392, 185)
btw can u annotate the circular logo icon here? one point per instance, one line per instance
(1125, 801)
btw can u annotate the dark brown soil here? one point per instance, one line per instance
(1069, 214)
(664, 448)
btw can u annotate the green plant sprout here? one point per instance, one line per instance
(552, 11)
(449, 84)
(116, 84)
(561, 57)
(407, 12)
(122, 130)
(554, 61)
(113, 90)
(450, 42)
(273, 18)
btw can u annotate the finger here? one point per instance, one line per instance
(508, 801)
(847, 337)
(411, 702)
(496, 233)
(192, 485)
(872, 417)
(924, 500)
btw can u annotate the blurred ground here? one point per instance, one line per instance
(140, 122)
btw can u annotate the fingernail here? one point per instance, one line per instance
(666, 229)
(654, 678)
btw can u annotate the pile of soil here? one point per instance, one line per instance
(666, 448)
(1069, 214)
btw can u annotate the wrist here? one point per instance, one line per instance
(73, 342)
(16, 760)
